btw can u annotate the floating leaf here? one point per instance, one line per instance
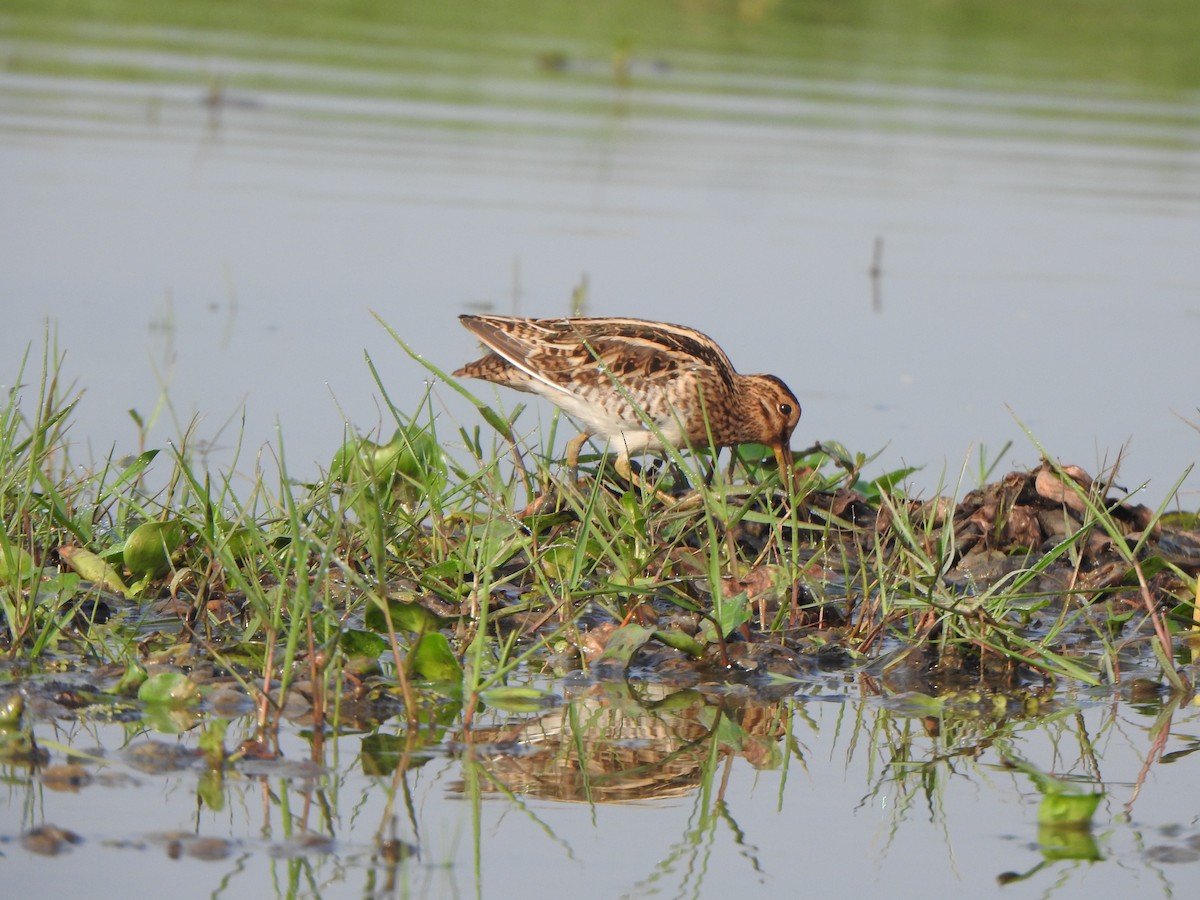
(171, 719)
(169, 689)
(406, 615)
(914, 703)
(150, 546)
(519, 699)
(434, 660)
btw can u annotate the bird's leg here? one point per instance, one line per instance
(710, 468)
(573, 450)
(624, 470)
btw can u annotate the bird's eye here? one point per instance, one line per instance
(785, 408)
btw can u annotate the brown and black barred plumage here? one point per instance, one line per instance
(617, 376)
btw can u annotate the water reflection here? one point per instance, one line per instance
(611, 746)
(692, 789)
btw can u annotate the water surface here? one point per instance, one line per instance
(636, 790)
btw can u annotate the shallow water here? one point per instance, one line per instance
(1039, 235)
(634, 789)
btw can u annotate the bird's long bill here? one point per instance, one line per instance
(783, 455)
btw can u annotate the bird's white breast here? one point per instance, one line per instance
(618, 421)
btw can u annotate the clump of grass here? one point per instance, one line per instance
(419, 573)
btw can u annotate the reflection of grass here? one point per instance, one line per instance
(1139, 46)
(618, 744)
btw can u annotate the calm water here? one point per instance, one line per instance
(212, 216)
(859, 796)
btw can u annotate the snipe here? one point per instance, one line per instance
(639, 384)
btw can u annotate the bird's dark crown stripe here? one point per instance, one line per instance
(779, 382)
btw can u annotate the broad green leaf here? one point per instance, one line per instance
(1064, 803)
(132, 679)
(412, 459)
(16, 564)
(434, 660)
(673, 637)
(730, 614)
(150, 546)
(210, 788)
(169, 689)
(243, 542)
(889, 480)
(406, 615)
(362, 643)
